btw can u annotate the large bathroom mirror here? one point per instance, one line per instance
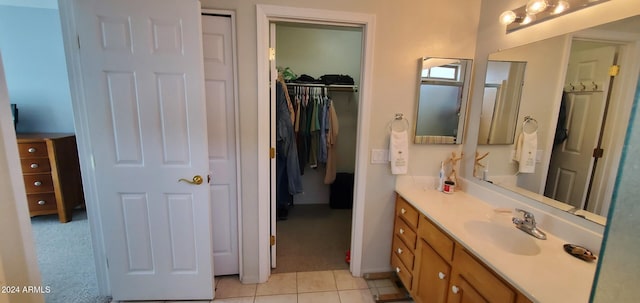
(501, 101)
(572, 119)
(442, 100)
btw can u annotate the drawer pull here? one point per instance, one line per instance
(455, 289)
(42, 202)
(399, 251)
(403, 211)
(401, 231)
(34, 165)
(32, 150)
(441, 275)
(398, 269)
(37, 183)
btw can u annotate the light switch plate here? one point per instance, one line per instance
(379, 156)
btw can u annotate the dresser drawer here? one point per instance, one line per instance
(440, 242)
(38, 183)
(407, 212)
(405, 233)
(35, 165)
(32, 149)
(403, 252)
(41, 202)
(403, 273)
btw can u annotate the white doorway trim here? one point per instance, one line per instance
(264, 15)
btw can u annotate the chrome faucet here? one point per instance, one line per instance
(528, 224)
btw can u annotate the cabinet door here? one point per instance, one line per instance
(432, 276)
(463, 292)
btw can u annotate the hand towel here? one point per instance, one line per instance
(525, 153)
(399, 152)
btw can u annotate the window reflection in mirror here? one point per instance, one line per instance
(442, 101)
(501, 100)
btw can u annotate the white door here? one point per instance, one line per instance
(220, 96)
(144, 89)
(572, 161)
(273, 75)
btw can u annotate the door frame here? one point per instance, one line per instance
(269, 13)
(236, 109)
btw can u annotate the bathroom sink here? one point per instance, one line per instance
(504, 236)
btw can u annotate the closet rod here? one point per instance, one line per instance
(333, 87)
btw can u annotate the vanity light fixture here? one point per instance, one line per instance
(536, 11)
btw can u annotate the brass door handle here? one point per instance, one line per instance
(197, 180)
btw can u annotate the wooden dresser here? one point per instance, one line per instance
(51, 173)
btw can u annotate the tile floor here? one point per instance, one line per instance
(333, 286)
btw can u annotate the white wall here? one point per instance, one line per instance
(403, 34)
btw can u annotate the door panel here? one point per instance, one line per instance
(571, 162)
(220, 95)
(143, 82)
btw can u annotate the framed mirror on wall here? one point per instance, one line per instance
(578, 88)
(443, 92)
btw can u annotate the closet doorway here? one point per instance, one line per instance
(317, 67)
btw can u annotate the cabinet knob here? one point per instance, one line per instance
(31, 150)
(455, 289)
(399, 251)
(37, 183)
(34, 165)
(397, 269)
(441, 275)
(403, 211)
(42, 202)
(401, 231)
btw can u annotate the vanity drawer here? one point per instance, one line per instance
(403, 273)
(41, 202)
(407, 212)
(440, 242)
(403, 252)
(35, 165)
(32, 149)
(38, 183)
(405, 233)
(481, 279)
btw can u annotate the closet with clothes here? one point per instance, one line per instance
(316, 127)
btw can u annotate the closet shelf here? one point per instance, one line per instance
(331, 87)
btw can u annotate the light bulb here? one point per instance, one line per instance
(560, 7)
(507, 17)
(528, 19)
(536, 6)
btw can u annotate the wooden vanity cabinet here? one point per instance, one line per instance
(439, 270)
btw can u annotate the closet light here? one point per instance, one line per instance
(536, 11)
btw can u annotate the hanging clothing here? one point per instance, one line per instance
(286, 150)
(332, 139)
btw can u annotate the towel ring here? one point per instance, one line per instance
(399, 120)
(531, 123)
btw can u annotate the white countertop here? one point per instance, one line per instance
(551, 275)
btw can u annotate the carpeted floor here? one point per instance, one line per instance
(66, 259)
(314, 237)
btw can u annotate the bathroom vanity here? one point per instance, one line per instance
(458, 248)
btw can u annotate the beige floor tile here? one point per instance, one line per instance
(231, 287)
(344, 280)
(199, 301)
(315, 281)
(356, 296)
(291, 298)
(278, 284)
(319, 297)
(234, 300)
